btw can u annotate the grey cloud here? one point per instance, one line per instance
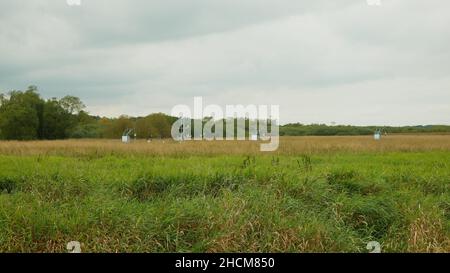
(138, 56)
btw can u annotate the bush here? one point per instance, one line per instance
(7, 185)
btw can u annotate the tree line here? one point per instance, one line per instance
(25, 115)
(298, 129)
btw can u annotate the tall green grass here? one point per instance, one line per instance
(308, 203)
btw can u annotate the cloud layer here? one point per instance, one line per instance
(321, 61)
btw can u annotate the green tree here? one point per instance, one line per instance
(160, 125)
(86, 126)
(72, 104)
(114, 128)
(21, 115)
(56, 120)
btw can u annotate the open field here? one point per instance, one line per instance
(288, 146)
(315, 194)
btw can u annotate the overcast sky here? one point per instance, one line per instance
(322, 61)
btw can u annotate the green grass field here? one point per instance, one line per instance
(320, 202)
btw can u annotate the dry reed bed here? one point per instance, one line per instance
(288, 146)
